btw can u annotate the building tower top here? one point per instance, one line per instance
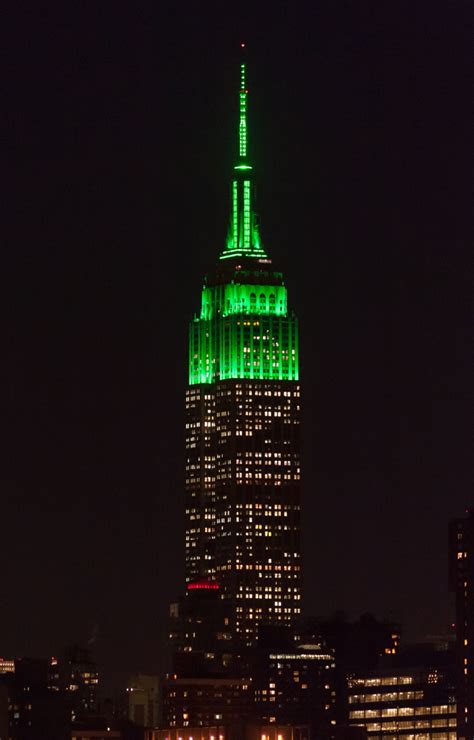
(243, 239)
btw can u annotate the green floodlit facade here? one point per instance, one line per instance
(242, 424)
(244, 329)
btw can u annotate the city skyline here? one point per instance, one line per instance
(116, 187)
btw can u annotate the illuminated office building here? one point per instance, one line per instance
(203, 702)
(403, 704)
(7, 665)
(242, 424)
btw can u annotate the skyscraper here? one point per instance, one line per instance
(243, 424)
(461, 571)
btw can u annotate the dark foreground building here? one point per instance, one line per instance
(200, 637)
(243, 425)
(144, 700)
(461, 557)
(76, 675)
(294, 683)
(358, 647)
(30, 709)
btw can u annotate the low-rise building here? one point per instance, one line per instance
(403, 704)
(236, 731)
(201, 702)
(29, 708)
(101, 729)
(144, 700)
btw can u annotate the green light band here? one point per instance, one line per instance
(242, 128)
(243, 114)
(235, 215)
(238, 346)
(230, 253)
(236, 298)
(246, 214)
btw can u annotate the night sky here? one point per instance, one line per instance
(119, 134)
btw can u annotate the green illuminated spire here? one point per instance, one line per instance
(244, 237)
(243, 114)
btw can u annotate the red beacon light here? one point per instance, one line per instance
(203, 585)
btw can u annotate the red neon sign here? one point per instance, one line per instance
(205, 585)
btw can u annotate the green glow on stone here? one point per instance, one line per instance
(230, 252)
(243, 331)
(246, 214)
(256, 238)
(236, 298)
(244, 346)
(235, 214)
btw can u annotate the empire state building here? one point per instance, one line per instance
(243, 424)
